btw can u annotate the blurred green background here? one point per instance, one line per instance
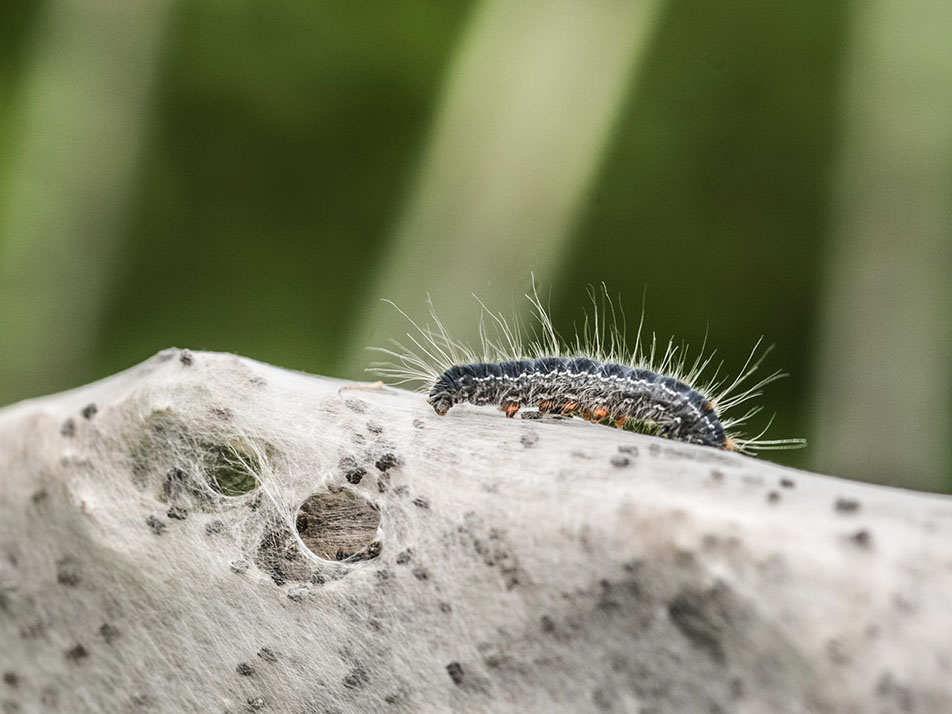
(254, 178)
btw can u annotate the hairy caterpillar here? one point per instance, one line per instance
(594, 376)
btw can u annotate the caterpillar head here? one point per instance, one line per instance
(440, 401)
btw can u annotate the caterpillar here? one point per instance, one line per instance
(594, 376)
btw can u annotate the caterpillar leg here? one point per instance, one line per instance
(510, 409)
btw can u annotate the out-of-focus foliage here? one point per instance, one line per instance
(280, 168)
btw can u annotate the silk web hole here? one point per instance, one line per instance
(338, 524)
(231, 470)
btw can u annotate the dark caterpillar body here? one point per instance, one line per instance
(581, 385)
